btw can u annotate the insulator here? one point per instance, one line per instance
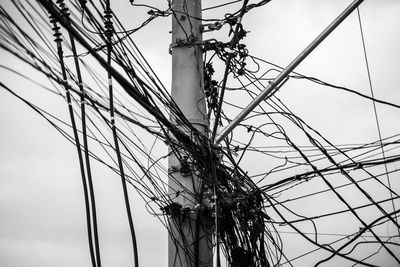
(107, 14)
(63, 8)
(108, 25)
(57, 34)
(58, 37)
(53, 19)
(56, 29)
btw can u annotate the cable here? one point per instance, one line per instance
(248, 204)
(109, 33)
(375, 111)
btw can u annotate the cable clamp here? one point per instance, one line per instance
(188, 42)
(211, 27)
(173, 169)
(358, 166)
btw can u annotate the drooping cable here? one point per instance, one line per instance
(64, 11)
(58, 40)
(109, 32)
(87, 157)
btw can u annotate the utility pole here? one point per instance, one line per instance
(191, 245)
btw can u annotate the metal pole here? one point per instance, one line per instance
(190, 244)
(282, 76)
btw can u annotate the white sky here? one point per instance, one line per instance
(41, 201)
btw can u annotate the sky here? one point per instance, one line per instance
(41, 201)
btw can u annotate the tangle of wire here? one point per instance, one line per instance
(253, 206)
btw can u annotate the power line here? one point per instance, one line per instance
(375, 111)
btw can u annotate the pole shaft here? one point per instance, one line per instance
(281, 77)
(190, 244)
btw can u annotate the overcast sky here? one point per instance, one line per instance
(42, 219)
